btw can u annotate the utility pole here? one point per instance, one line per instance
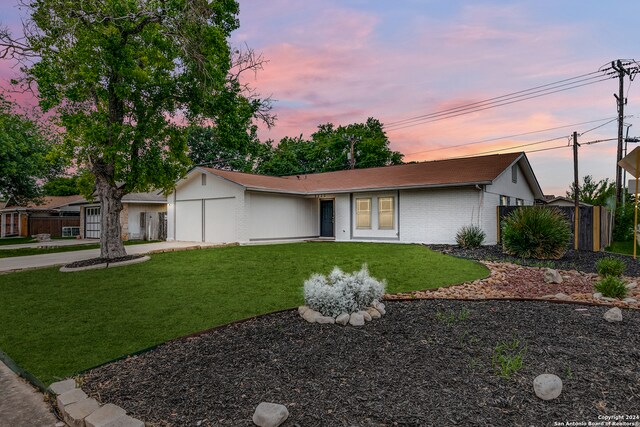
(621, 101)
(576, 192)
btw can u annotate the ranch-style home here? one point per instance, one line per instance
(412, 203)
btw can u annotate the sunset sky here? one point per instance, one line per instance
(342, 61)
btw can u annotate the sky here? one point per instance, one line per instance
(342, 61)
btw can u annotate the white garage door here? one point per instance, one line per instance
(189, 221)
(220, 220)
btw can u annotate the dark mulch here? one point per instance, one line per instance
(407, 369)
(97, 261)
(572, 260)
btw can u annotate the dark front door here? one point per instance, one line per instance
(326, 218)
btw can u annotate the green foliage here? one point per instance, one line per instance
(450, 318)
(598, 193)
(28, 153)
(327, 150)
(610, 267)
(624, 217)
(612, 287)
(507, 358)
(624, 248)
(470, 236)
(61, 186)
(535, 232)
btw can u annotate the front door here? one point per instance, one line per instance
(326, 218)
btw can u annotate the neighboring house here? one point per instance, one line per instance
(55, 215)
(143, 217)
(421, 202)
(562, 201)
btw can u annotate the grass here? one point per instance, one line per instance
(9, 253)
(624, 248)
(16, 240)
(508, 357)
(450, 318)
(57, 324)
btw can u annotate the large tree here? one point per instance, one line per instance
(123, 76)
(329, 149)
(28, 154)
(599, 193)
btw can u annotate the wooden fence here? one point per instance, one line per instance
(52, 224)
(594, 224)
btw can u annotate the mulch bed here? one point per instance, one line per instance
(572, 260)
(410, 368)
(98, 261)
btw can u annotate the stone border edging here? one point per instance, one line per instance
(65, 269)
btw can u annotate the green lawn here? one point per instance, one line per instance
(624, 248)
(57, 324)
(9, 253)
(16, 240)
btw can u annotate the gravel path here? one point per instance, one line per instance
(572, 260)
(413, 367)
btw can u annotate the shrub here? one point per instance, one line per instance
(470, 236)
(612, 287)
(610, 267)
(341, 292)
(507, 358)
(535, 232)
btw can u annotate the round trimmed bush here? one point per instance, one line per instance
(536, 232)
(470, 236)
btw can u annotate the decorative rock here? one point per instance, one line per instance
(311, 315)
(375, 314)
(609, 299)
(547, 386)
(380, 308)
(613, 315)
(69, 397)
(302, 309)
(342, 319)
(366, 316)
(106, 415)
(63, 386)
(75, 413)
(562, 296)
(597, 295)
(325, 319)
(356, 319)
(631, 285)
(630, 300)
(270, 414)
(552, 276)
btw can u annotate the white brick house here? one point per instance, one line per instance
(412, 203)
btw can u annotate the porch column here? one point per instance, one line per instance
(3, 224)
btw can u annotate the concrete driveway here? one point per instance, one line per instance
(62, 258)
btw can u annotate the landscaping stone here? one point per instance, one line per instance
(547, 386)
(630, 300)
(311, 315)
(75, 413)
(63, 386)
(380, 307)
(356, 319)
(597, 295)
(105, 415)
(562, 296)
(70, 397)
(342, 319)
(302, 309)
(631, 285)
(366, 316)
(375, 314)
(552, 276)
(270, 414)
(613, 315)
(609, 299)
(325, 319)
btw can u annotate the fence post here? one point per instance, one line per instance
(498, 224)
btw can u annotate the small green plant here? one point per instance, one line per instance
(610, 267)
(568, 373)
(612, 287)
(452, 317)
(470, 236)
(535, 232)
(508, 357)
(475, 364)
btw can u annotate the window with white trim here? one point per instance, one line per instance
(519, 202)
(504, 200)
(385, 213)
(363, 213)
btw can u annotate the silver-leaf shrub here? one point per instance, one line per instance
(342, 292)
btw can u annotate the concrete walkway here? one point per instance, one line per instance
(52, 243)
(20, 404)
(61, 258)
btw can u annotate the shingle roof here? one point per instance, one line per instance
(49, 203)
(440, 173)
(150, 197)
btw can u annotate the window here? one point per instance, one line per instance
(519, 202)
(204, 179)
(504, 200)
(363, 213)
(92, 223)
(385, 213)
(514, 174)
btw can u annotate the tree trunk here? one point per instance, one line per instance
(111, 245)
